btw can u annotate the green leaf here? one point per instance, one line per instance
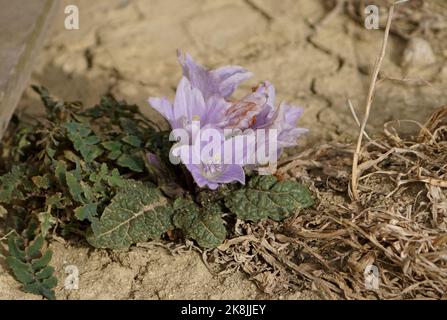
(91, 193)
(33, 250)
(46, 221)
(115, 179)
(265, 196)
(14, 249)
(21, 270)
(205, 225)
(45, 273)
(112, 145)
(55, 200)
(137, 213)
(74, 186)
(61, 168)
(84, 141)
(51, 152)
(50, 282)
(43, 261)
(87, 212)
(41, 289)
(113, 155)
(42, 182)
(32, 269)
(10, 184)
(133, 141)
(134, 163)
(114, 148)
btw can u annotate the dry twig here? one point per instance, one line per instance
(369, 100)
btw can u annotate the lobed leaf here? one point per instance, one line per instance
(12, 183)
(132, 162)
(137, 213)
(205, 225)
(30, 267)
(86, 212)
(84, 141)
(266, 197)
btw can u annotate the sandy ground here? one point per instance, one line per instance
(128, 48)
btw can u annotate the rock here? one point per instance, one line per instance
(418, 53)
(23, 26)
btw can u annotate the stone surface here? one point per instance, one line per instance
(23, 26)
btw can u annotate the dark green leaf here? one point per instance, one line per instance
(115, 179)
(61, 168)
(74, 186)
(32, 270)
(134, 163)
(205, 225)
(50, 282)
(137, 213)
(46, 221)
(14, 249)
(43, 261)
(84, 141)
(41, 289)
(33, 250)
(45, 273)
(21, 270)
(10, 184)
(133, 141)
(86, 212)
(265, 196)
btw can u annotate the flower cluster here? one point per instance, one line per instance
(217, 135)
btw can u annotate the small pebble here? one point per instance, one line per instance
(418, 53)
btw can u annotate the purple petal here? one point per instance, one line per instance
(199, 179)
(243, 113)
(229, 78)
(216, 107)
(232, 173)
(291, 114)
(285, 121)
(222, 81)
(153, 160)
(163, 106)
(188, 102)
(269, 90)
(288, 136)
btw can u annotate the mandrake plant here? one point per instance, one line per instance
(103, 174)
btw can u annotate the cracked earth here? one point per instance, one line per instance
(315, 59)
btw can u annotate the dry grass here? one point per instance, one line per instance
(399, 223)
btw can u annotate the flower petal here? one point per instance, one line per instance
(189, 102)
(291, 114)
(163, 106)
(232, 173)
(229, 78)
(222, 81)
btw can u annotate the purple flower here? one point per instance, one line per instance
(252, 110)
(189, 105)
(203, 96)
(220, 82)
(210, 164)
(257, 111)
(285, 119)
